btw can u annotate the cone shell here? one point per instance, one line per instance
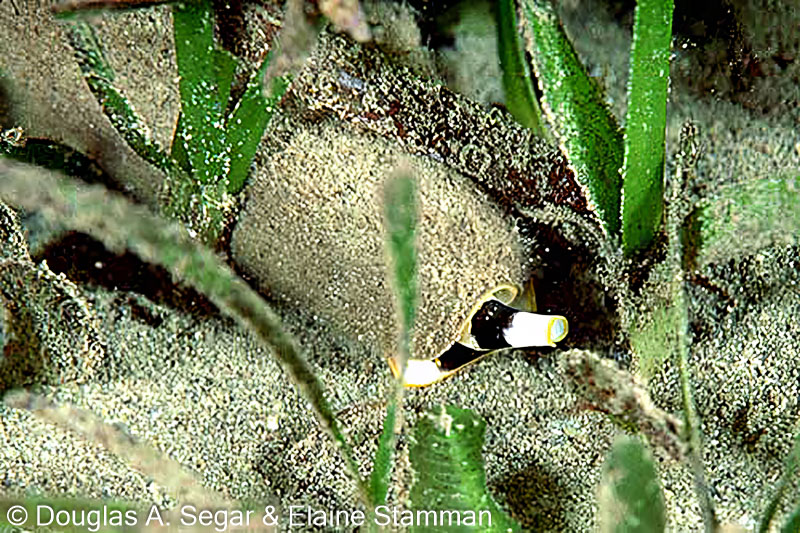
(312, 234)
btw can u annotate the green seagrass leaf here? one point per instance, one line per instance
(573, 104)
(201, 130)
(629, 498)
(448, 471)
(100, 78)
(246, 124)
(791, 464)
(400, 212)
(521, 98)
(645, 126)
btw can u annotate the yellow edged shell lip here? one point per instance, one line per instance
(424, 372)
(419, 372)
(557, 329)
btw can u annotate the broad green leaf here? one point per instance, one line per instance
(741, 219)
(400, 211)
(645, 126)
(573, 104)
(629, 498)
(517, 83)
(202, 126)
(448, 470)
(224, 69)
(246, 124)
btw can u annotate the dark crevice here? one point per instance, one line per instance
(86, 261)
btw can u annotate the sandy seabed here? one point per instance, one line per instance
(193, 385)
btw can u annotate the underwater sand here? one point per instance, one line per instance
(207, 395)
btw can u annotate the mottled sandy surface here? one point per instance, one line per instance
(203, 392)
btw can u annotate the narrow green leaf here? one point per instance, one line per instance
(792, 524)
(790, 468)
(679, 341)
(178, 150)
(120, 225)
(100, 78)
(645, 126)
(224, 68)
(630, 499)
(400, 206)
(744, 218)
(448, 471)
(202, 127)
(384, 456)
(573, 104)
(246, 124)
(401, 224)
(56, 156)
(517, 83)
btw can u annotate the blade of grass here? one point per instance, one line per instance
(178, 149)
(139, 455)
(56, 156)
(224, 68)
(629, 498)
(789, 470)
(400, 197)
(691, 419)
(100, 78)
(521, 98)
(645, 126)
(693, 435)
(202, 126)
(792, 524)
(448, 467)
(400, 205)
(120, 225)
(573, 104)
(247, 122)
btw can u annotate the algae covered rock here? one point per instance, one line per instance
(312, 234)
